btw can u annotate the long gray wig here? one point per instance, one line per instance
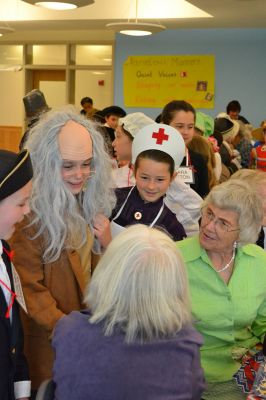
(60, 217)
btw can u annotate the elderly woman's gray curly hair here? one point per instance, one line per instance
(59, 217)
(140, 286)
(236, 195)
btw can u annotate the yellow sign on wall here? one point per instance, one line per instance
(153, 81)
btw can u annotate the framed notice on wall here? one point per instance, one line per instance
(153, 81)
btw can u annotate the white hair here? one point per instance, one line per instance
(140, 286)
(255, 178)
(236, 195)
(62, 218)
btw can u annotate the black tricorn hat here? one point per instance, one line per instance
(15, 171)
(114, 110)
(223, 125)
(98, 117)
(35, 103)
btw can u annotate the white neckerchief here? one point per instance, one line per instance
(187, 158)
(4, 277)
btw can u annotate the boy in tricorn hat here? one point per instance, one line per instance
(15, 189)
(110, 117)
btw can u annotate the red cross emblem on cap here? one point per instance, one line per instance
(160, 136)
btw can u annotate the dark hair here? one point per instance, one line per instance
(219, 137)
(158, 156)
(113, 110)
(233, 105)
(86, 100)
(112, 113)
(127, 133)
(174, 106)
(158, 119)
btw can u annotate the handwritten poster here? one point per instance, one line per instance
(153, 81)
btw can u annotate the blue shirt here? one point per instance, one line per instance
(89, 365)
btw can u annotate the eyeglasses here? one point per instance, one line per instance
(220, 225)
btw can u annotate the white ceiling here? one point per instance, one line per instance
(32, 23)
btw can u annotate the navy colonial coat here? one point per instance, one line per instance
(13, 364)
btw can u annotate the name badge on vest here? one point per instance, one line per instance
(18, 289)
(186, 174)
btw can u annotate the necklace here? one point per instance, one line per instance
(228, 264)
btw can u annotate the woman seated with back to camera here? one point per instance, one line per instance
(227, 277)
(135, 341)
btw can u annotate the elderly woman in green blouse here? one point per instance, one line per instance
(227, 276)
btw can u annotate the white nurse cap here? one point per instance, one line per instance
(159, 137)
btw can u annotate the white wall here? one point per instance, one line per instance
(92, 82)
(55, 92)
(87, 85)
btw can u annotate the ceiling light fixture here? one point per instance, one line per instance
(12, 68)
(98, 73)
(135, 28)
(5, 29)
(60, 4)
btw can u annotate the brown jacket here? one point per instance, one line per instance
(50, 290)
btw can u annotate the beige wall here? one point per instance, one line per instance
(89, 79)
(11, 106)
